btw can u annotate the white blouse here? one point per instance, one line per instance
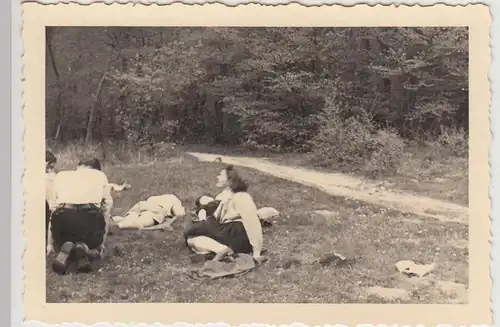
(241, 207)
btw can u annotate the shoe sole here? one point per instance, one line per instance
(60, 263)
(83, 263)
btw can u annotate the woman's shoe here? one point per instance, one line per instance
(227, 253)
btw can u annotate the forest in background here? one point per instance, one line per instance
(343, 96)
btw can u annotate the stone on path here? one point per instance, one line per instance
(389, 293)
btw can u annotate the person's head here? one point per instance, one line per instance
(92, 163)
(50, 161)
(203, 200)
(229, 177)
(178, 210)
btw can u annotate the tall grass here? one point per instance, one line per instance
(113, 154)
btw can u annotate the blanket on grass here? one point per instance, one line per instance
(241, 264)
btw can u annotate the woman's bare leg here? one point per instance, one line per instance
(203, 244)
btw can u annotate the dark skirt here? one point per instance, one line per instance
(231, 234)
(47, 219)
(86, 225)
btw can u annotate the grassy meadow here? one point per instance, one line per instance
(151, 266)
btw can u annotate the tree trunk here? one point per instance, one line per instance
(48, 44)
(61, 107)
(48, 41)
(88, 135)
(58, 130)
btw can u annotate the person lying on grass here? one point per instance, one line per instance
(152, 214)
(206, 205)
(78, 225)
(235, 228)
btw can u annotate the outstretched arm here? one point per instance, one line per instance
(119, 188)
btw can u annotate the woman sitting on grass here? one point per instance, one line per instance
(235, 228)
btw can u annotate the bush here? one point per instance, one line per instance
(356, 143)
(455, 140)
(386, 158)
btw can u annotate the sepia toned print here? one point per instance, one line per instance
(254, 163)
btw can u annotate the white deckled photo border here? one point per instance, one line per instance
(15, 125)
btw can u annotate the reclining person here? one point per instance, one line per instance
(152, 213)
(206, 205)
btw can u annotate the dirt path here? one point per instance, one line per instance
(355, 188)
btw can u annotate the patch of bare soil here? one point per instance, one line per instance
(348, 186)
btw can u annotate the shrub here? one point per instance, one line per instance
(387, 154)
(455, 140)
(356, 143)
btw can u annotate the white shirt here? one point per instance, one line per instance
(169, 203)
(49, 188)
(224, 195)
(81, 186)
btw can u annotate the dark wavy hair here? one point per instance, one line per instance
(90, 162)
(236, 183)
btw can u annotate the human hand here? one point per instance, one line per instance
(50, 248)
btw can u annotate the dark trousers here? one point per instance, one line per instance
(83, 224)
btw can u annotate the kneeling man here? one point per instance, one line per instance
(78, 224)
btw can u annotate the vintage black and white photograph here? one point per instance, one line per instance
(257, 164)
